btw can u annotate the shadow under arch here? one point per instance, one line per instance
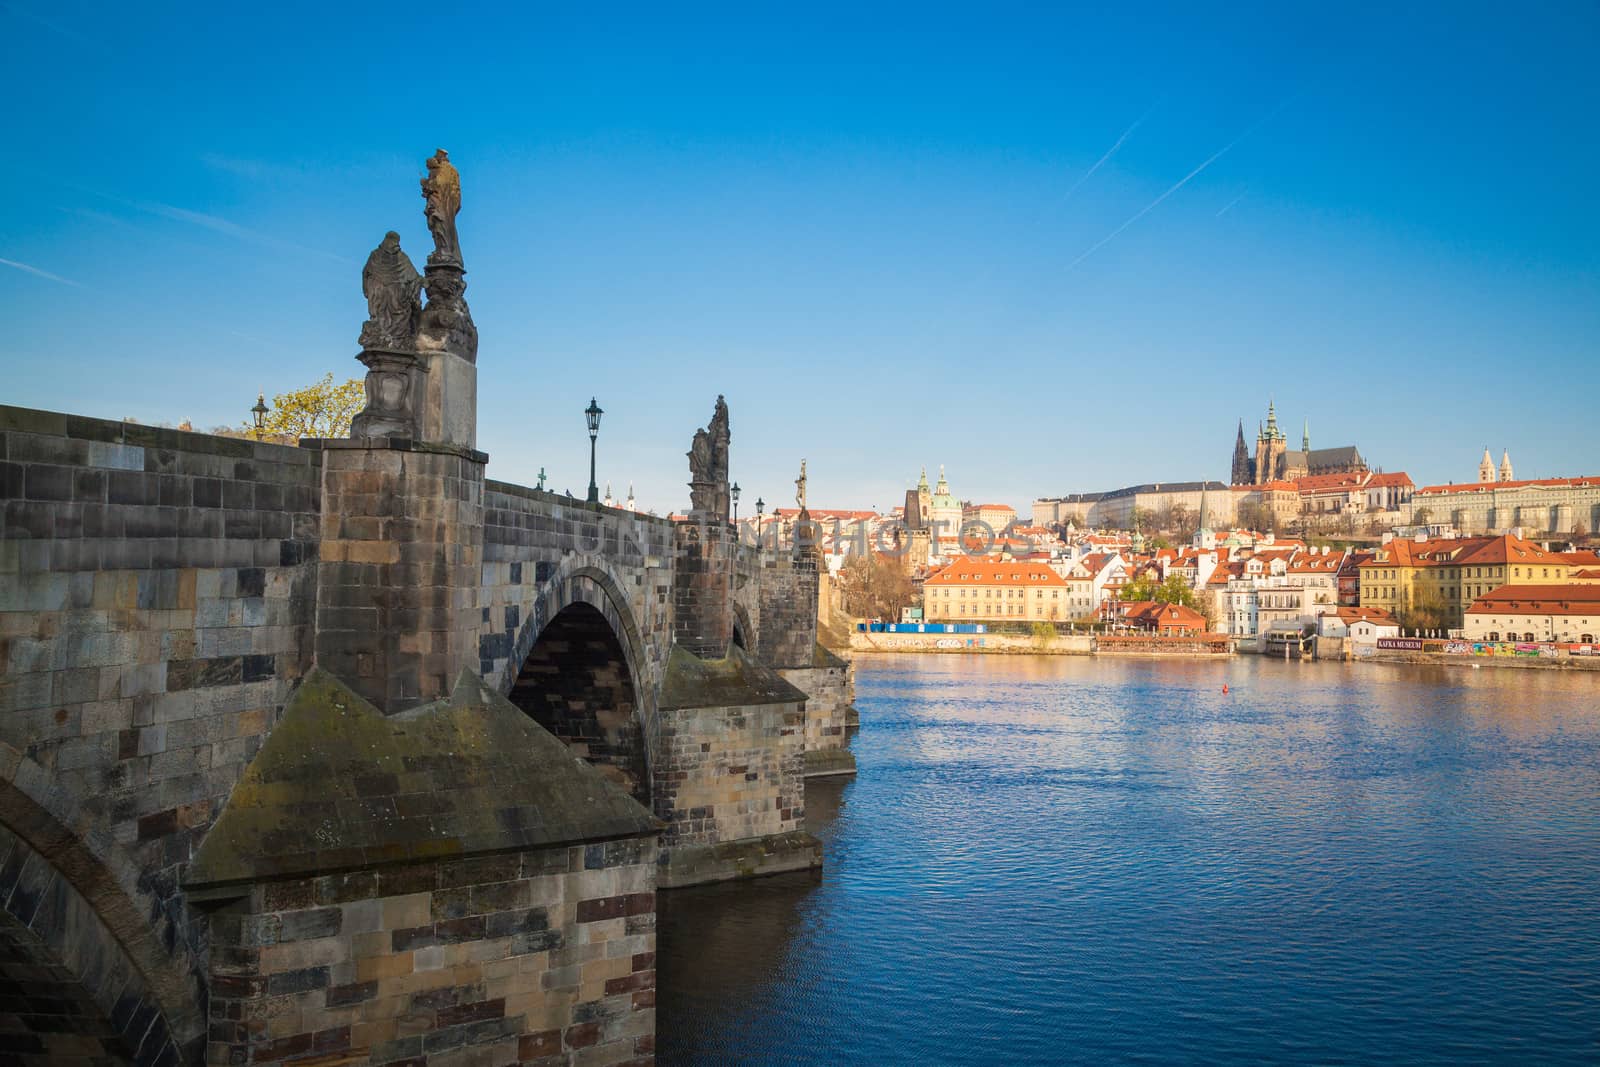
(104, 963)
(743, 632)
(577, 673)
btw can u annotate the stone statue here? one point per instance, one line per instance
(720, 439)
(442, 190)
(700, 458)
(708, 465)
(800, 487)
(394, 309)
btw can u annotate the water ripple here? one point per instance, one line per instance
(1074, 860)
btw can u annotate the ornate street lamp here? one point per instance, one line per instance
(260, 412)
(761, 505)
(593, 413)
(734, 492)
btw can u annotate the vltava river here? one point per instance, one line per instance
(1091, 860)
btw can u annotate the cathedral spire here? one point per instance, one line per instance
(1486, 467)
(1241, 459)
(1305, 437)
(1505, 466)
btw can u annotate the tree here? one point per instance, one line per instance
(875, 589)
(1253, 515)
(1420, 516)
(1141, 587)
(1579, 531)
(319, 410)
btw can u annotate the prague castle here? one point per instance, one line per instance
(1275, 461)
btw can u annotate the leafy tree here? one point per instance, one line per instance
(1175, 591)
(1141, 587)
(319, 410)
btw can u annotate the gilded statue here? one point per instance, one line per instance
(441, 188)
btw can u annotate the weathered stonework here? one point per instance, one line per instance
(728, 771)
(519, 926)
(399, 567)
(163, 593)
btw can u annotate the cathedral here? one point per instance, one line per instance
(1275, 461)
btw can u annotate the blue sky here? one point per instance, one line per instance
(891, 236)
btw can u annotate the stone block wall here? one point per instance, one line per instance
(731, 772)
(399, 569)
(788, 608)
(828, 698)
(540, 957)
(156, 596)
(537, 548)
(702, 588)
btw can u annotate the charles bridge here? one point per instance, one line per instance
(288, 735)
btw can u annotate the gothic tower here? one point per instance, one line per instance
(1242, 473)
(1486, 467)
(1505, 466)
(1270, 447)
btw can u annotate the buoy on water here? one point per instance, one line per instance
(1224, 689)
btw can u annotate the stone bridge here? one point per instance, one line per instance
(287, 738)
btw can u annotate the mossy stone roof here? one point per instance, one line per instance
(338, 785)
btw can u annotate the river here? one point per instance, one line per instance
(1063, 859)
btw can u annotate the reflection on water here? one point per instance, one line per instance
(1047, 859)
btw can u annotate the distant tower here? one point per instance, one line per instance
(607, 501)
(924, 497)
(630, 505)
(1242, 474)
(1505, 466)
(1270, 447)
(1305, 438)
(1486, 467)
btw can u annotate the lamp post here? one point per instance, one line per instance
(260, 412)
(593, 413)
(733, 491)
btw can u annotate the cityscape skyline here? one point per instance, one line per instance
(1090, 247)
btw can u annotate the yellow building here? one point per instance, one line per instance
(1440, 577)
(982, 590)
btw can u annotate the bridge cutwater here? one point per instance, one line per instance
(288, 734)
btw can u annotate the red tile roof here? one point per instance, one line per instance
(976, 571)
(1539, 600)
(1485, 487)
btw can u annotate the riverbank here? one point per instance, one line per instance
(1034, 645)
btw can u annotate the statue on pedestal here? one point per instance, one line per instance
(441, 188)
(388, 342)
(447, 324)
(708, 465)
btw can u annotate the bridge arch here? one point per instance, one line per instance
(106, 966)
(580, 671)
(744, 635)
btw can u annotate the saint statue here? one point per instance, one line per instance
(720, 438)
(442, 190)
(700, 458)
(800, 487)
(391, 284)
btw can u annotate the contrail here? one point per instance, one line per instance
(41, 273)
(1185, 180)
(1109, 153)
(1229, 205)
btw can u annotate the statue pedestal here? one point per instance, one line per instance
(448, 344)
(394, 384)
